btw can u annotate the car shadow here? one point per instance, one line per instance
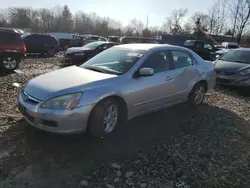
(64, 157)
(238, 92)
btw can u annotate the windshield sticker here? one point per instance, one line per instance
(134, 54)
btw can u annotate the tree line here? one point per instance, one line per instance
(229, 17)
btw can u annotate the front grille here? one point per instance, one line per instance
(224, 81)
(224, 73)
(49, 123)
(29, 99)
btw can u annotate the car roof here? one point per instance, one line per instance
(102, 42)
(144, 46)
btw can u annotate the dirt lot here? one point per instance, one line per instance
(179, 147)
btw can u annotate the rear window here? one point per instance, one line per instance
(189, 43)
(10, 38)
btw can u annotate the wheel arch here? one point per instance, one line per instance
(120, 100)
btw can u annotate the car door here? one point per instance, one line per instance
(154, 91)
(187, 72)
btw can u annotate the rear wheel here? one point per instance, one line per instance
(104, 118)
(9, 63)
(51, 53)
(197, 94)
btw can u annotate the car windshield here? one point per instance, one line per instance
(223, 51)
(93, 45)
(239, 56)
(115, 60)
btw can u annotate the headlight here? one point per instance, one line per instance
(80, 53)
(244, 72)
(63, 102)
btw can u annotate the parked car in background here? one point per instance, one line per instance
(202, 48)
(94, 37)
(64, 43)
(115, 39)
(219, 47)
(230, 45)
(41, 43)
(12, 50)
(221, 52)
(78, 55)
(131, 40)
(233, 68)
(13, 30)
(116, 85)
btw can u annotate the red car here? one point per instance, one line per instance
(12, 49)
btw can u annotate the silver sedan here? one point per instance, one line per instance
(117, 85)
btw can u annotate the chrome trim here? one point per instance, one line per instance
(27, 97)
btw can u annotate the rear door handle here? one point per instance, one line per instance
(169, 78)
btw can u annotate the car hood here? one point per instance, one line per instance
(67, 80)
(77, 49)
(228, 66)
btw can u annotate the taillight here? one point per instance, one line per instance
(24, 49)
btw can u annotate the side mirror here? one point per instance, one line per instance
(146, 72)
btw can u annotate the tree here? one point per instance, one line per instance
(19, 17)
(240, 11)
(136, 26)
(199, 22)
(173, 24)
(66, 20)
(217, 18)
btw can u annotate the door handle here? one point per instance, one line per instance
(169, 78)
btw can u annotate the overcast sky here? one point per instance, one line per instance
(123, 10)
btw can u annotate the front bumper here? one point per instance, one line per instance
(56, 121)
(233, 80)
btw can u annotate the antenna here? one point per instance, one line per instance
(147, 21)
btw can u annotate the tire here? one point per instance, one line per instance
(51, 53)
(197, 95)
(9, 63)
(102, 111)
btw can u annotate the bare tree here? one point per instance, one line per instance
(243, 20)
(137, 26)
(174, 21)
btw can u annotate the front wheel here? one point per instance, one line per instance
(104, 118)
(197, 94)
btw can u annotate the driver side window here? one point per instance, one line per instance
(208, 46)
(158, 61)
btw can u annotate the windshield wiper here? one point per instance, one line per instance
(93, 68)
(102, 70)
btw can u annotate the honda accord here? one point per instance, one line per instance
(116, 85)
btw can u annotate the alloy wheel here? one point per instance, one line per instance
(199, 94)
(110, 118)
(9, 63)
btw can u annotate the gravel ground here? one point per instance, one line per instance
(207, 147)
